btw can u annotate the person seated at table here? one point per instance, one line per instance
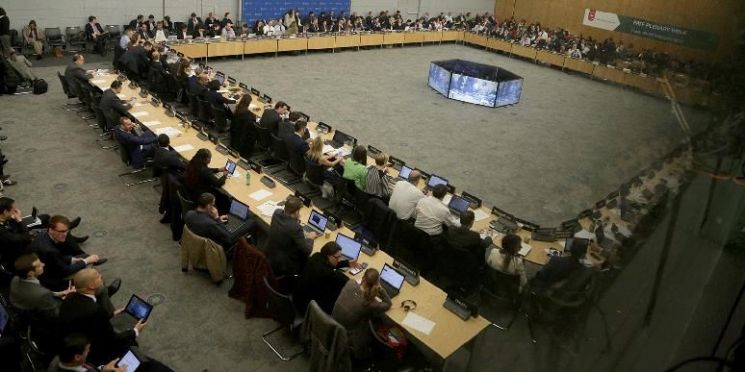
(144, 32)
(138, 143)
(27, 293)
(242, 129)
(377, 181)
(288, 245)
(73, 356)
(61, 254)
(228, 32)
(161, 35)
(355, 168)
(206, 221)
(215, 98)
(34, 38)
(166, 159)
(295, 142)
(198, 84)
(194, 23)
(356, 305)
(332, 163)
(321, 280)
(313, 27)
(214, 30)
(560, 268)
(405, 196)
(210, 20)
(200, 33)
(507, 260)
(135, 23)
(269, 28)
(286, 128)
(75, 74)
(338, 26)
(136, 59)
(94, 32)
(112, 106)
(432, 213)
(199, 178)
(258, 28)
(270, 118)
(182, 32)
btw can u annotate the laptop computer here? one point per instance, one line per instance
(340, 138)
(237, 215)
(435, 180)
(458, 205)
(32, 219)
(391, 280)
(137, 309)
(316, 222)
(404, 172)
(229, 166)
(350, 248)
(220, 77)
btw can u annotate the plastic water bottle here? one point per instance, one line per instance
(248, 177)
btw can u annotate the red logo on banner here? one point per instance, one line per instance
(591, 15)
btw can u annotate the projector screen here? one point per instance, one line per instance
(439, 79)
(509, 92)
(472, 90)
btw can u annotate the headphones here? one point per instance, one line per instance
(408, 305)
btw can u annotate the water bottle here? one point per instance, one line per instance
(248, 177)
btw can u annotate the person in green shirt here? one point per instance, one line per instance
(356, 168)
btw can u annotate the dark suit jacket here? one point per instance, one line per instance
(74, 75)
(136, 59)
(137, 146)
(556, 270)
(206, 182)
(182, 35)
(166, 159)
(58, 260)
(285, 129)
(31, 296)
(196, 88)
(287, 248)
(192, 26)
(79, 313)
(243, 133)
(14, 241)
(321, 282)
(215, 98)
(205, 226)
(113, 108)
(297, 144)
(89, 30)
(270, 120)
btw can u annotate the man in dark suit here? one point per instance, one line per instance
(206, 222)
(73, 356)
(62, 256)
(81, 312)
(285, 128)
(14, 236)
(288, 246)
(139, 146)
(112, 106)
(271, 118)
(137, 60)
(559, 268)
(464, 253)
(198, 84)
(183, 32)
(166, 159)
(321, 280)
(75, 74)
(27, 293)
(135, 23)
(217, 100)
(194, 23)
(295, 142)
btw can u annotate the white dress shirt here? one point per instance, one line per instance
(431, 214)
(160, 36)
(403, 199)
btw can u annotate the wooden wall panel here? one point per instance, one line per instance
(720, 17)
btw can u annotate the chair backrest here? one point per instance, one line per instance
(381, 220)
(279, 149)
(264, 137)
(186, 203)
(327, 334)
(297, 162)
(123, 150)
(279, 305)
(313, 171)
(113, 30)
(193, 103)
(205, 109)
(65, 87)
(503, 285)
(15, 40)
(53, 33)
(74, 33)
(218, 112)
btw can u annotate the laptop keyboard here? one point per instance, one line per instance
(233, 224)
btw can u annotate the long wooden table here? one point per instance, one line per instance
(450, 332)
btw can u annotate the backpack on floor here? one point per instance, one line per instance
(40, 86)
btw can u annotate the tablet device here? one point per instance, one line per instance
(130, 360)
(138, 308)
(230, 166)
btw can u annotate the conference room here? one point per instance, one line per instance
(359, 185)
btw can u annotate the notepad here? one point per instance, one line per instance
(524, 249)
(261, 194)
(150, 123)
(418, 323)
(168, 131)
(140, 113)
(183, 148)
(480, 214)
(267, 209)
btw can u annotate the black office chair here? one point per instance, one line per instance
(114, 33)
(204, 110)
(263, 138)
(15, 41)
(283, 312)
(74, 107)
(503, 288)
(279, 149)
(297, 162)
(186, 203)
(381, 221)
(124, 155)
(193, 104)
(54, 38)
(76, 38)
(221, 121)
(413, 246)
(86, 92)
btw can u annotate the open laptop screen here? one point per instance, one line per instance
(317, 220)
(238, 209)
(458, 204)
(341, 137)
(350, 248)
(392, 277)
(435, 180)
(404, 172)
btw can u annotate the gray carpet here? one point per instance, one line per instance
(569, 142)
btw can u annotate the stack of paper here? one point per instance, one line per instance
(418, 323)
(150, 123)
(168, 131)
(183, 148)
(258, 195)
(267, 209)
(140, 113)
(480, 214)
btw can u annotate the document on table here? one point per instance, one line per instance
(183, 148)
(480, 214)
(150, 123)
(267, 209)
(121, 96)
(98, 81)
(418, 323)
(140, 113)
(168, 131)
(524, 249)
(584, 234)
(328, 148)
(258, 195)
(446, 199)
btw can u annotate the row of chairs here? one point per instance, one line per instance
(72, 40)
